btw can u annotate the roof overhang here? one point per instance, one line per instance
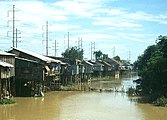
(4, 64)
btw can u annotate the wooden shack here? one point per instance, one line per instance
(116, 65)
(98, 68)
(7, 74)
(72, 70)
(107, 68)
(65, 71)
(88, 69)
(29, 75)
(50, 69)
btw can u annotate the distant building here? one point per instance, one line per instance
(98, 68)
(88, 69)
(107, 67)
(116, 65)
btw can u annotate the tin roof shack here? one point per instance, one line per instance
(88, 70)
(51, 68)
(7, 74)
(72, 71)
(76, 70)
(65, 71)
(116, 65)
(27, 83)
(98, 68)
(107, 68)
(126, 67)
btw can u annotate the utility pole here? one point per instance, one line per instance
(55, 48)
(129, 53)
(114, 51)
(46, 38)
(68, 35)
(17, 37)
(13, 21)
(92, 49)
(80, 43)
(45, 29)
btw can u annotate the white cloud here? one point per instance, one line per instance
(143, 16)
(115, 22)
(97, 37)
(63, 27)
(78, 7)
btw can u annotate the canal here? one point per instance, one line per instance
(84, 105)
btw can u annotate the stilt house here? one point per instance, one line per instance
(7, 74)
(88, 71)
(38, 72)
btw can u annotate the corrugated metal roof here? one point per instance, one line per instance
(105, 63)
(42, 57)
(5, 53)
(23, 59)
(119, 63)
(88, 63)
(4, 64)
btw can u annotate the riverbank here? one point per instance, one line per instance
(150, 98)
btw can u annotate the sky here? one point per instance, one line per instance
(117, 27)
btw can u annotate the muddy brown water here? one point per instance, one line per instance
(79, 105)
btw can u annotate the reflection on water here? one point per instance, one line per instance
(75, 105)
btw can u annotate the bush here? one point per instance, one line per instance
(7, 101)
(161, 102)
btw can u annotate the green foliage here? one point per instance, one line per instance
(105, 56)
(7, 101)
(73, 53)
(161, 102)
(117, 58)
(98, 55)
(152, 66)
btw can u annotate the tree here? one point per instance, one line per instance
(117, 58)
(98, 55)
(73, 53)
(105, 56)
(152, 68)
